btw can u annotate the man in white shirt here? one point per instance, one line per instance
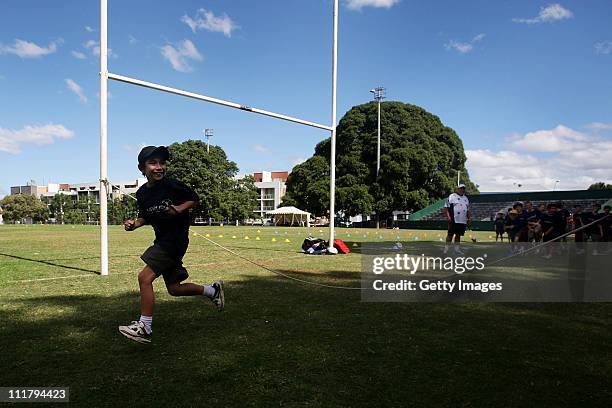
(457, 208)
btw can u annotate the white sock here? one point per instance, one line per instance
(209, 291)
(148, 322)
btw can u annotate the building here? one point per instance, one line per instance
(271, 188)
(79, 191)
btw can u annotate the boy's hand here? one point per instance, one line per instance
(129, 225)
(173, 210)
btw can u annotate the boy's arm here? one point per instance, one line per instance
(177, 209)
(131, 225)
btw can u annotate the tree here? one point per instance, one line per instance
(600, 186)
(212, 176)
(420, 158)
(21, 207)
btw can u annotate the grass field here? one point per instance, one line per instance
(279, 343)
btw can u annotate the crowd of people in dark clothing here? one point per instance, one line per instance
(552, 221)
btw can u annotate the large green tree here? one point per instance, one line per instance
(20, 207)
(420, 159)
(213, 178)
(600, 186)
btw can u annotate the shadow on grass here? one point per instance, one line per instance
(48, 262)
(283, 344)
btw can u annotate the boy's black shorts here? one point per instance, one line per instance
(163, 264)
(456, 229)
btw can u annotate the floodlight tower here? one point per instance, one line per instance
(379, 95)
(208, 133)
(555, 186)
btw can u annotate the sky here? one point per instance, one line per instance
(527, 85)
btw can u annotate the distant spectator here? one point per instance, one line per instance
(550, 222)
(513, 225)
(578, 222)
(499, 226)
(457, 208)
(534, 228)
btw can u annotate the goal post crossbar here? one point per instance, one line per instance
(193, 95)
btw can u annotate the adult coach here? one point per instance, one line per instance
(457, 208)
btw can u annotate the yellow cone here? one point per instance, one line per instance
(257, 239)
(233, 237)
(247, 237)
(208, 235)
(220, 236)
(273, 239)
(287, 240)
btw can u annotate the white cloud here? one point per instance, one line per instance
(132, 39)
(11, 140)
(558, 139)
(180, 54)
(76, 88)
(598, 126)
(206, 20)
(464, 47)
(89, 29)
(94, 47)
(603, 48)
(27, 49)
(576, 159)
(549, 14)
(261, 149)
(78, 55)
(359, 4)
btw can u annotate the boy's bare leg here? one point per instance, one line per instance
(147, 296)
(184, 289)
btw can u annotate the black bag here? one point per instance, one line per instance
(315, 243)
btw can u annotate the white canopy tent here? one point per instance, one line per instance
(284, 214)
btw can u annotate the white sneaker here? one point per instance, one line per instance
(136, 331)
(219, 298)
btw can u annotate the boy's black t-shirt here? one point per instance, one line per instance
(171, 231)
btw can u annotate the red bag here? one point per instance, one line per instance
(341, 246)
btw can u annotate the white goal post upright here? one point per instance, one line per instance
(103, 144)
(105, 76)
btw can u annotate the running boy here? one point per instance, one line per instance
(164, 203)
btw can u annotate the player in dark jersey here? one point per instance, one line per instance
(500, 222)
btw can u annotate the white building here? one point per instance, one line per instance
(271, 188)
(81, 190)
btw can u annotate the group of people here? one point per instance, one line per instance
(525, 222)
(528, 223)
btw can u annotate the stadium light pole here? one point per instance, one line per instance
(208, 133)
(555, 186)
(379, 95)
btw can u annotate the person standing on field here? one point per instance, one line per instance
(457, 208)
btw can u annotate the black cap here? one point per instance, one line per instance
(153, 151)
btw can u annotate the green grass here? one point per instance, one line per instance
(279, 343)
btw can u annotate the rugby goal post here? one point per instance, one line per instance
(105, 76)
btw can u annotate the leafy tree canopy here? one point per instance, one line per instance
(212, 177)
(19, 207)
(600, 186)
(420, 158)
